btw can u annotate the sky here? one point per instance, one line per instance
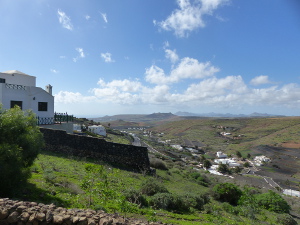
(141, 57)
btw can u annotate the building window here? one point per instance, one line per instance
(43, 106)
(2, 81)
(14, 103)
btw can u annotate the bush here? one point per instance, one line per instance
(136, 197)
(273, 202)
(151, 187)
(20, 142)
(158, 164)
(223, 168)
(170, 202)
(286, 219)
(200, 179)
(227, 192)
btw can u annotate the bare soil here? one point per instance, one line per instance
(284, 167)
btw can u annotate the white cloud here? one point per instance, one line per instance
(188, 68)
(104, 17)
(62, 57)
(87, 17)
(260, 80)
(118, 91)
(72, 97)
(107, 57)
(54, 71)
(172, 55)
(81, 54)
(228, 92)
(64, 20)
(189, 16)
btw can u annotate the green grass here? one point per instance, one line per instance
(58, 179)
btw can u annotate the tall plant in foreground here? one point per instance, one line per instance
(102, 186)
(20, 142)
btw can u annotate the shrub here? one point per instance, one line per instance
(200, 179)
(227, 192)
(151, 187)
(207, 164)
(136, 197)
(286, 219)
(170, 202)
(223, 168)
(158, 164)
(273, 202)
(20, 142)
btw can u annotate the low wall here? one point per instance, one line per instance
(32, 213)
(83, 146)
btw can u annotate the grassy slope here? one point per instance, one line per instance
(58, 178)
(257, 131)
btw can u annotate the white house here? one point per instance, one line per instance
(100, 130)
(17, 88)
(221, 155)
(229, 162)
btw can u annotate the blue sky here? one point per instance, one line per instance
(139, 57)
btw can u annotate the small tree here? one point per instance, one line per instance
(238, 154)
(227, 192)
(273, 202)
(223, 168)
(207, 164)
(20, 142)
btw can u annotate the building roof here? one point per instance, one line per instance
(16, 72)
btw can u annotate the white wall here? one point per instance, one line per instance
(29, 97)
(19, 79)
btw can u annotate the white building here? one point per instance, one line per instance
(17, 88)
(100, 130)
(221, 155)
(229, 162)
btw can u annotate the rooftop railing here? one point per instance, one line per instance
(16, 86)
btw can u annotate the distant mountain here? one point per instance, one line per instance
(137, 117)
(212, 114)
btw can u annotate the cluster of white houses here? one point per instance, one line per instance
(17, 88)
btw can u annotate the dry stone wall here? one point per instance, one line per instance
(32, 213)
(134, 157)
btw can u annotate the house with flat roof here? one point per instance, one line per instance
(17, 88)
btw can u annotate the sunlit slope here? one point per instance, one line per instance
(244, 132)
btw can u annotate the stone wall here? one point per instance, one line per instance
(83, 146)
(32, 213)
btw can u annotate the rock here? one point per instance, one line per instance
(3, 214)
(24, 216)
(58, 219)
(106, 221)
(21, 208)
(49, 216)
(40, 216)
(13, 217)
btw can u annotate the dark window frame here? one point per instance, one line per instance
(13, 103)
(2, 81)
(43, 106)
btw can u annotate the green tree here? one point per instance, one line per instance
(227, 192)
(273, 202)
(238, 154)
(20, 142)
(207, 164)
(223, 168)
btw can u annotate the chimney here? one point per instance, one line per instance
(49, 89)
